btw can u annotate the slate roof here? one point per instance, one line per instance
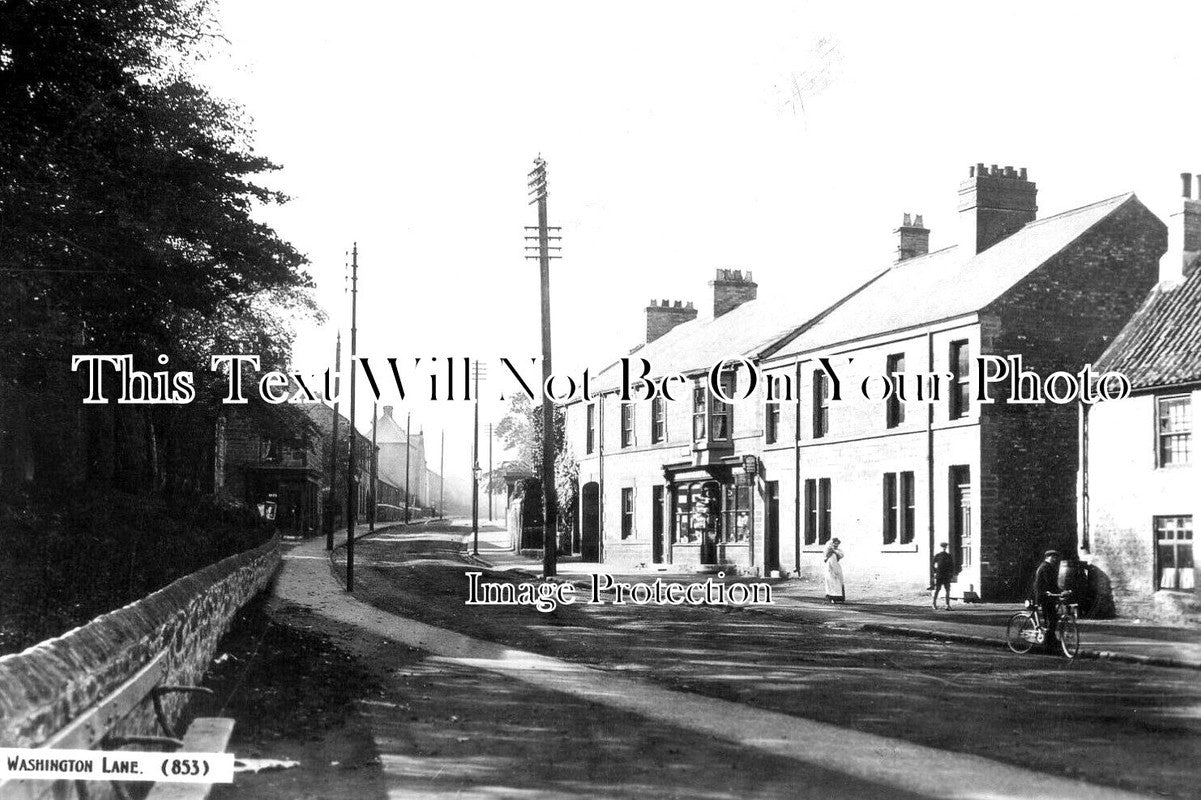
(748, 331)
(941, 285)
(946, 284)
(1161, 344)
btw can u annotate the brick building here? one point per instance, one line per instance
(764, 486)
(280, 463)
(1139, 484)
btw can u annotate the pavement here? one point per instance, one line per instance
(977, 624)
(824, 760)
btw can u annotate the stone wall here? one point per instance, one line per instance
(45, 687)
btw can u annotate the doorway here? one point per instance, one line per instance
(590, 522)
(657, 547)
(771, 528)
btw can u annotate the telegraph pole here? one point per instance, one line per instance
(544, 255)
(442, 478)
(475, 466)
(331, 502)
(408, 460)
(351, 478)
(490, 481)
(374, 466)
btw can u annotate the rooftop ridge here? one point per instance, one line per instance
(1062, 214)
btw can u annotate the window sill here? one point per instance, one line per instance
(898, 548)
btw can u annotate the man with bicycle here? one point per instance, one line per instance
(1045, 594)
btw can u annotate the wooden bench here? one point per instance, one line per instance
(92, 730)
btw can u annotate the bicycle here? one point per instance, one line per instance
(1026, 628)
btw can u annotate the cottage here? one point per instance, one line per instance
(1139, 483)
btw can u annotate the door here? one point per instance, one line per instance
(657, 532)
(961, 516)
(590, 522)
(771, 528)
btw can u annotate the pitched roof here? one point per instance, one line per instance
(1161, 344)
(323, 417)
(387, 429)
(748, 331)
(950, 283)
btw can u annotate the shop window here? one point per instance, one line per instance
(736, 513)
(708, 508)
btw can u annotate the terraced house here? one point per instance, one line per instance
(763, 486)
(1140, 494)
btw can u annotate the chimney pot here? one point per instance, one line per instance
(913, 239)
(992, 210)
(387, 411)
(732, 288)
(1186, 185)
(663, 315)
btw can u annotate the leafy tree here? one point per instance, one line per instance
(521, 431)
(127, 200)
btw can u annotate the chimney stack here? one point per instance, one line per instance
(1184, 232)
(388, 411)
(662, 317)
(913, 238)
(994, 203)
(731, 289)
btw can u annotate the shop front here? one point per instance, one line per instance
(712, 516)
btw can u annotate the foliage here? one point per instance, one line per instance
(127, 202)
(521, 431)
(65, 566)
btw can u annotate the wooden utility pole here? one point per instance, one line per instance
(544, 255)
(442, 479)
(408, 460)
(490, 481)
(374, 467)
(475, 467)
(331, 501)
(351, 478)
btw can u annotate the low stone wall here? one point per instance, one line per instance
(53, 682)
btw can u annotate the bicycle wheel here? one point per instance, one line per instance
(1021, 633)
(1069, 636)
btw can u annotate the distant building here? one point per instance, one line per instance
(278, 462)
(1140, 492)
(760, 486)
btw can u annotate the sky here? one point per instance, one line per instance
(782, 138)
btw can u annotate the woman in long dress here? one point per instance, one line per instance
(835, 591)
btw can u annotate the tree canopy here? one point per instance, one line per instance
(128, 200)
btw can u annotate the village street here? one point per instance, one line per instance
(661, 701)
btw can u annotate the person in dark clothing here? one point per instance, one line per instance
(1045, 593)
(944, 571)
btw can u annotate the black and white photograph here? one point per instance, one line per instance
(531, 400)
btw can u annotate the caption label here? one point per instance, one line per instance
(119, 765)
